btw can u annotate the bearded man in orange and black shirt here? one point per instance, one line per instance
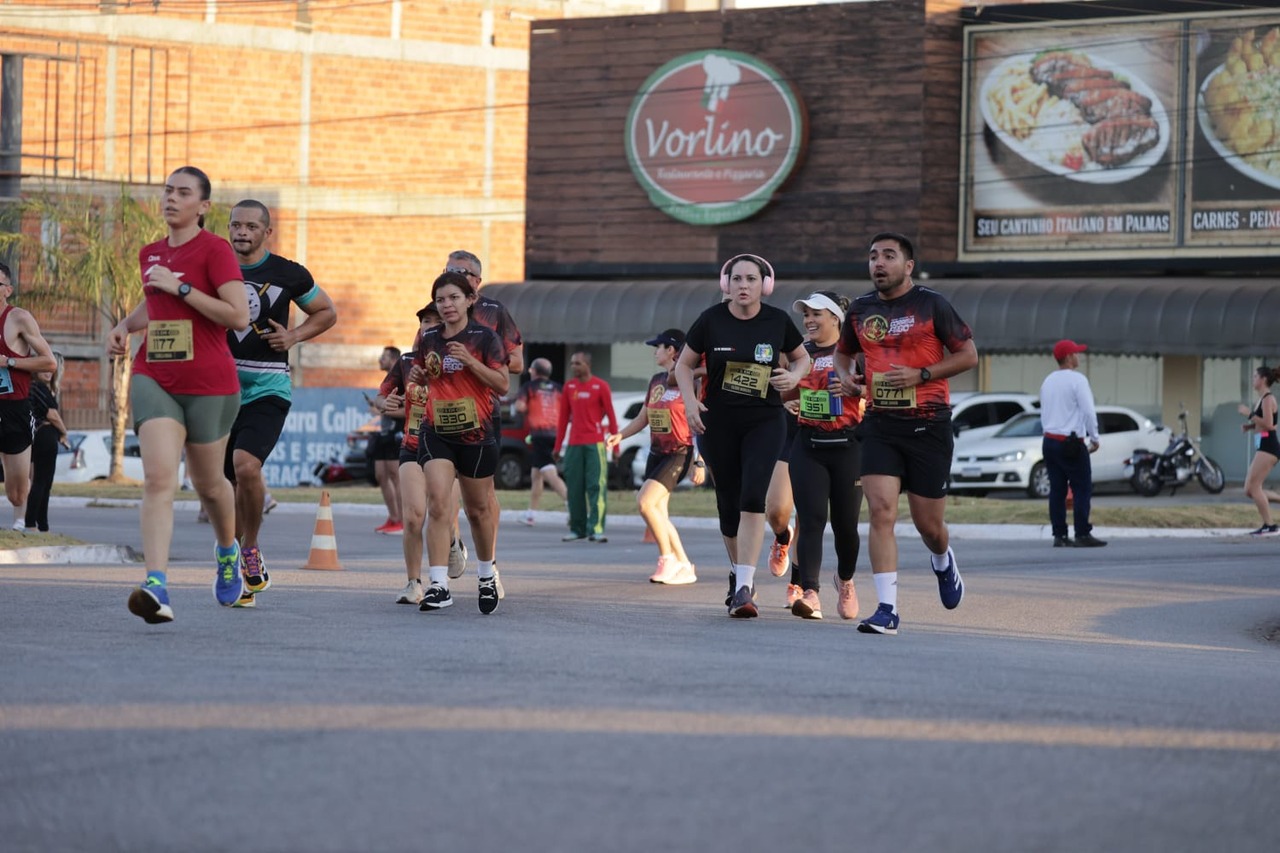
(912, 341)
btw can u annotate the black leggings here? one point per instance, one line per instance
(822, 476)
(44, 457)
(741, 446)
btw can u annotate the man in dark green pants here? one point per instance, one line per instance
(586, 402)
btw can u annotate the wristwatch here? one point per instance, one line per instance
(925, 375)
(183, 290)
(11, 362)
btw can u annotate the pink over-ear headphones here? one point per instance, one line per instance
(765, 267)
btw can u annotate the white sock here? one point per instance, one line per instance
(887, 588)
(941, 561)
(745, 575)
(485, 570)
(440, 575)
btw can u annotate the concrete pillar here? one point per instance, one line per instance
(1182, 385)
(10, 125)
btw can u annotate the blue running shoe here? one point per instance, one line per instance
(151, 600)
(883, 621)
(228, 585)
(950, 584)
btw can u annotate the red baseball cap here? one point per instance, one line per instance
(1062, 349)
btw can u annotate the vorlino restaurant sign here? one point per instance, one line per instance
(711, 135)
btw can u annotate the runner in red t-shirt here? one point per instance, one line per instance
(184, 392)
(465, 367)
(913, 341)
(399, 396)
(539, 402)
(670, 455)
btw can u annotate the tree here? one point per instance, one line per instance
(84, 247)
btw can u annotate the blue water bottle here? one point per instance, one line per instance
(833, 394)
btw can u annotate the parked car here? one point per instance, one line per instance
(977, 414)
(1012, 457)
(89, 457)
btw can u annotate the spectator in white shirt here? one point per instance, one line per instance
(1070, 435)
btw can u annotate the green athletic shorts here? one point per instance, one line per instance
(206, 417)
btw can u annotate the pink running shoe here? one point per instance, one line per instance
(778, 553)
(793, 595)
(847, 606)
(668, 565)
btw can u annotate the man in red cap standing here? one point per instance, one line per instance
(1070, 423)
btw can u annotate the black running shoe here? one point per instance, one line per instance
(435, 598)
(489, 593)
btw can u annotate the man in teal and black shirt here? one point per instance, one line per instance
(273, 284)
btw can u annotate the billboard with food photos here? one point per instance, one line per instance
(1233, 109)
(1128, 138)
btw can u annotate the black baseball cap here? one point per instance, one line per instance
(669, 338)
(429, 308)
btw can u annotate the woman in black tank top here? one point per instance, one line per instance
(1262, 423)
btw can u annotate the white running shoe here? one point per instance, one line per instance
(412, 593)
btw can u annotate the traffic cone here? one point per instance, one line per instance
(324, 545)
(1071, 499)
(648, 536)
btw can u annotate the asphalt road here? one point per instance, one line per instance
(1119, 698)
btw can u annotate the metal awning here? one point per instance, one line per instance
(1132, 316)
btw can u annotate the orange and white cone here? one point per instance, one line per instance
(648, 536)
(324, 545)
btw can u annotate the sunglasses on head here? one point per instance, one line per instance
(460, 271)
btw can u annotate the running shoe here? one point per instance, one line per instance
(793, 595)
(950, 584)
(393, 528)
(743, 605)
(202, 517)
(151, 601)
(527, 519)
(412, 593)
(684, 574)
(597, 537)
(246, 600)
(1266, 530)
(20, 526)
(883, 621)
(271, 503)
(256, 578)
(457, 558)
(435, 598)
(228, 584)
(847, 606)
(573, 537)
(807, 605)
(489, 593)
(733, 585)
(667, 567)
(778, 553)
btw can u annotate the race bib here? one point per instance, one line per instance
(6, 381)
(741, 377)
(659, 421)
(414, 419)
(885, 396)
(170, 340)
(450, 417)
(815, 405)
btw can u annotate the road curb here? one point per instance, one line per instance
(558, 519)
(52, 555)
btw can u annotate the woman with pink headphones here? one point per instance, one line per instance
(739, 424)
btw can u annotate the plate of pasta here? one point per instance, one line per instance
(1239, 107)
(1075, 115)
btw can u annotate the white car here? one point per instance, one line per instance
(626, 405)
(976, 415)
(89, 457)
(1012, 458)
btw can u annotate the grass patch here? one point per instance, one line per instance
(701, 503)
(11, 540)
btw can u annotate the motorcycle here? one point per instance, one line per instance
(1149, 471)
